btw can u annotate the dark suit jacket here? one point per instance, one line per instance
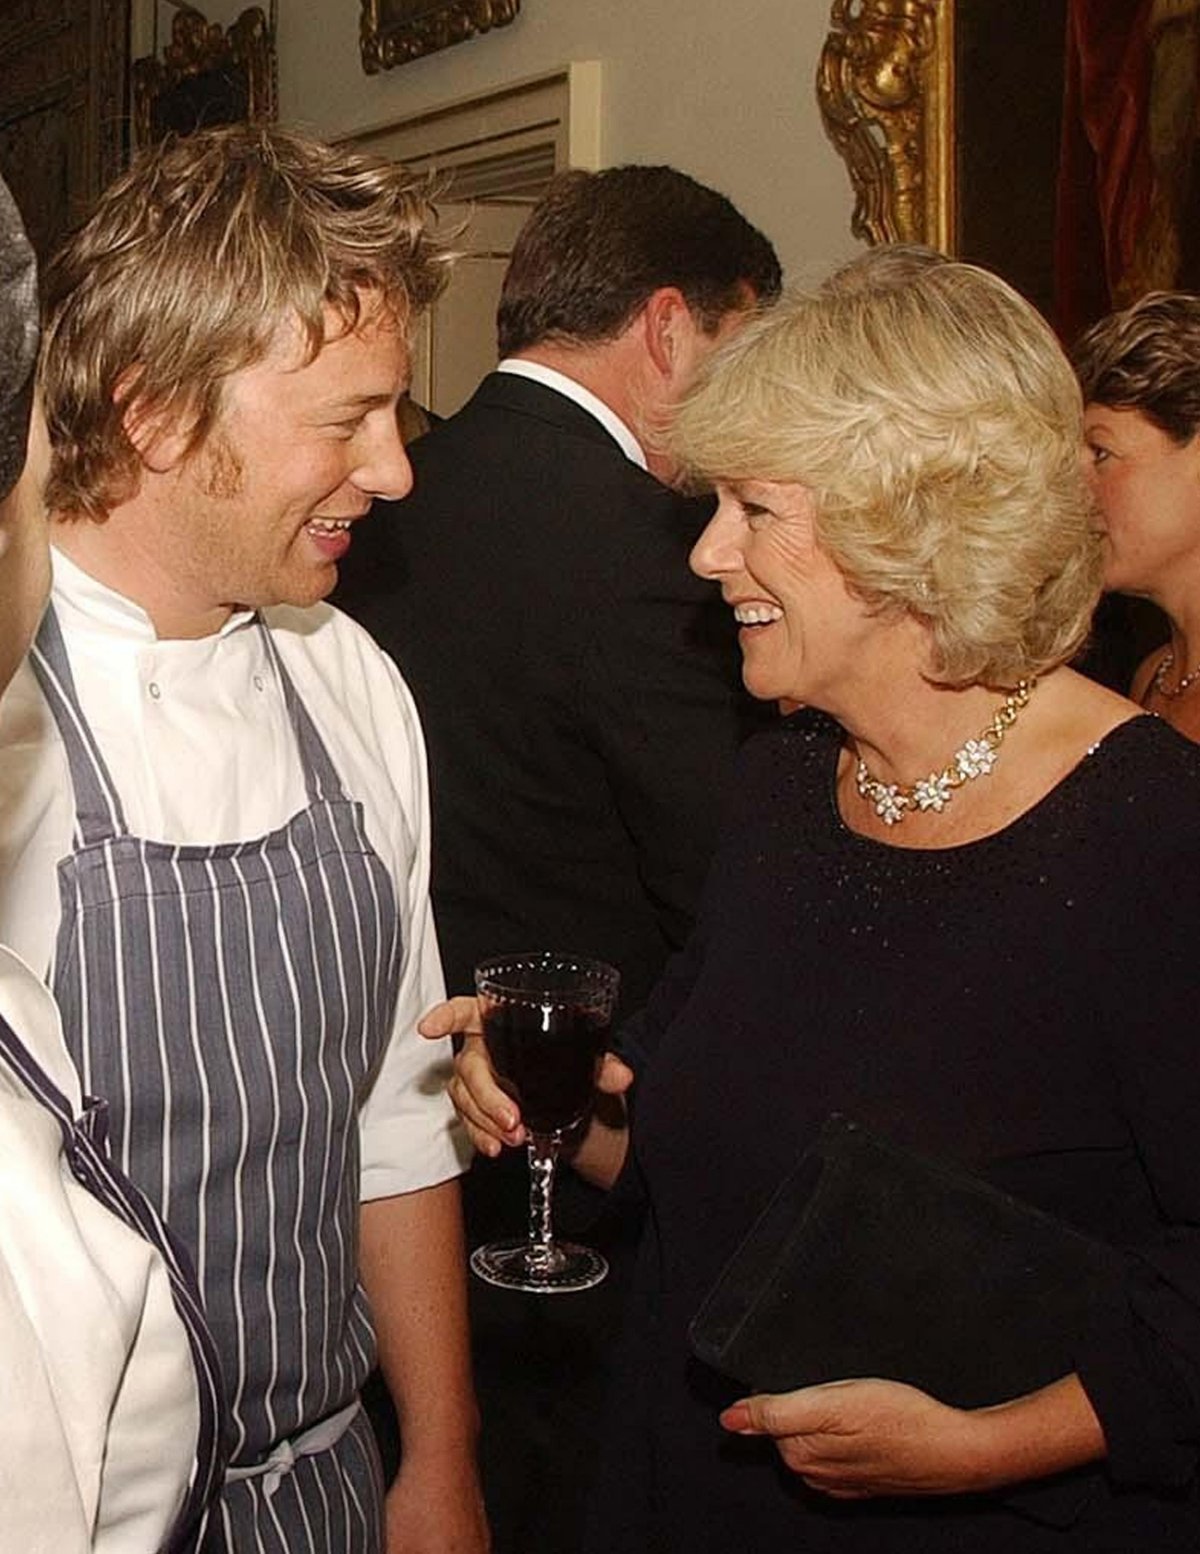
(579, 688)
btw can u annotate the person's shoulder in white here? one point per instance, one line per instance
(361, 705)
(325, 642)
(97, 1390)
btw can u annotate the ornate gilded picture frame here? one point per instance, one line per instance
(395, 31)
(885, 87)
(207, 75)
(948, 114)
(1057, 141)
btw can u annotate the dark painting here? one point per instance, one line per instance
(1008, 118)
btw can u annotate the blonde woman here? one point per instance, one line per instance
(932, 912)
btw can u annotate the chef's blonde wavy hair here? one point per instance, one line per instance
(191, 262)
(938, 425)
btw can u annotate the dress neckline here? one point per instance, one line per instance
(1060, 791)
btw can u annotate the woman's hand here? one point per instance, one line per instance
(491, 1116)
(855, 1439)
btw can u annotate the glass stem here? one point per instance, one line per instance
(543, 1157)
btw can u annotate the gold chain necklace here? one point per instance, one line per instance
(1166, 664)
(893, 800)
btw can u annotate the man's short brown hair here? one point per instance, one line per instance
(597, 245)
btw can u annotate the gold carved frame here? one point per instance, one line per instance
(885, 84)
(395, 31)
(206, 74)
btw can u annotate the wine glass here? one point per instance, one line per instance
(546, 1019)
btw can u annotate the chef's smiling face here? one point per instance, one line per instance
(262, 511)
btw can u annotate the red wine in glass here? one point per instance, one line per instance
(546, 1021)
(547, 1056)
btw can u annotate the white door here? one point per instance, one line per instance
(455, 345)
(495, 154)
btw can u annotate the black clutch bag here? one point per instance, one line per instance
(874, 1261)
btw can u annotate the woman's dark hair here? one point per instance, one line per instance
(1147, 358)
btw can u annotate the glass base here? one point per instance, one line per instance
(518, 1265)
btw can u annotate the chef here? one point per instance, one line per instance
(213, 800)
(109, 1392)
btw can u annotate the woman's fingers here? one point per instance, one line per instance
(491, 1115)
(615, 1076)
(455, 1017)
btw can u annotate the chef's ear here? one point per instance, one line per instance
(160, 434)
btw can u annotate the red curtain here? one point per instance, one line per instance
(1105, 175)
(1127, 201)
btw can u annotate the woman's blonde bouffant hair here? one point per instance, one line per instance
(938, 425)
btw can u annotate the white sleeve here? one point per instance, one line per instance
(44, 1508)
(98, 1409)
(410, 1137)
(410, 1134)
(98, 1405)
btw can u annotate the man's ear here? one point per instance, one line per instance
(666, 322)
(161, 436)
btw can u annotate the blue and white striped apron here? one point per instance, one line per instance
(86, 1153)
(233, 1003)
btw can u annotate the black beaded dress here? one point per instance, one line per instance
(1025, 1005)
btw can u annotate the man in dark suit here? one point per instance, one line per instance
(578, 687)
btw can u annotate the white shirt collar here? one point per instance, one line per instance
(79, 596)
(550, 378)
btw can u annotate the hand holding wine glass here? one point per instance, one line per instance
(490, 1115)
(530, 1075)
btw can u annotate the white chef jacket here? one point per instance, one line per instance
(98, 1405)
(197, 739)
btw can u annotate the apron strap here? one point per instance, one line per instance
(85, 1149)
(98, 812)
(321, 780)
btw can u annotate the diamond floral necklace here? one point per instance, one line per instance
(893, 800)
(1166, 664)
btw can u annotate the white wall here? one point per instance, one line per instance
(723, 89)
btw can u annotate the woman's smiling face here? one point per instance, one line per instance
(801, 625)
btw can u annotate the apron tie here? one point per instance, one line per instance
(282, 1458)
